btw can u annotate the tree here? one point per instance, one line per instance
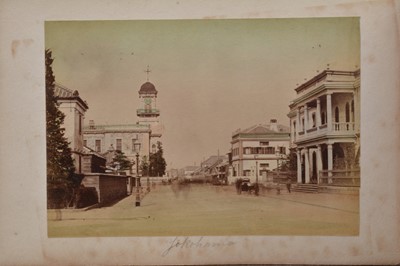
(121, 161)
(61, 180)
(157, 162)
(144, 166)
(290, 164)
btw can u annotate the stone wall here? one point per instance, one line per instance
(109, 187)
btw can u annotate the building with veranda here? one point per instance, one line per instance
(325, 128)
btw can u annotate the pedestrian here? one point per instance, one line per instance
(288, 184)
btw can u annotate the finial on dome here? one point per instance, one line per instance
(147, 71)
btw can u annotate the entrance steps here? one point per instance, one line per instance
(306, 188)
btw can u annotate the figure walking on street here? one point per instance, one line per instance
(288, 184)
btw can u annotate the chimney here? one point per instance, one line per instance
(273, 125)
(91, 124)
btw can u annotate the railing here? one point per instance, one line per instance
(345, 178)
(344, 126)
(312, 129)
(147, 111)
(337, 128)
(127, 126)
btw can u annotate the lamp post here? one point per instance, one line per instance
(137, 181)
(256, 157)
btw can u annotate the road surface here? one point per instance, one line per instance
(201, 210)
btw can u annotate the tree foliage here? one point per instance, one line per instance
(60, 165)
(157, 162)
(144, 166)
(121, 161)
(290, 164)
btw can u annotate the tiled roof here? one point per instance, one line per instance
(265, 129)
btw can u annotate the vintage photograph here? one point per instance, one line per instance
(211, 127)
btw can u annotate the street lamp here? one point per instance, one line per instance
(256, 157)
(137, 181)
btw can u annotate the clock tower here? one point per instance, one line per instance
(148, 113)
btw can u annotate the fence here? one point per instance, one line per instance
(348, 178)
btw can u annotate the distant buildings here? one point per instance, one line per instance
(258, 149)
(325, 124)
(74, 109)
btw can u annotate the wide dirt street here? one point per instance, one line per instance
(213, 210)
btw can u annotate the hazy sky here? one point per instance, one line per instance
(212, 76)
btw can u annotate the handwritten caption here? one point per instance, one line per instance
(195, 243)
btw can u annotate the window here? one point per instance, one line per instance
(313, 119)
(119, 145)
(98, 145)
(270, 150)
(80, 124)
(153, 148)
(264, 143)
(337, 114)
(282, 150)
(85, 142)
(323, 118)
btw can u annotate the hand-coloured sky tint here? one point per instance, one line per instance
(212, 76)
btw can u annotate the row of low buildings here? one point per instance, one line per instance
(323, 135)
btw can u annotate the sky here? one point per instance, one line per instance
(212, 76)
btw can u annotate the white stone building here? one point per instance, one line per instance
(74, 109)
(131, 139)
(139, 138)
(259, 149)
(325, 125)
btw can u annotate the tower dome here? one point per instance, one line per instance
(148, 88)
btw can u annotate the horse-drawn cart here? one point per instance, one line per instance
(244, 184)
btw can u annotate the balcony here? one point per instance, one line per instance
(148, 112)
(337, 129)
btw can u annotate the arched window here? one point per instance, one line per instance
(347, 112)
(337, 118)
(352, 111)
(294, 126)
(313, 120)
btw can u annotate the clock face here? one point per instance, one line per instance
(147, 101)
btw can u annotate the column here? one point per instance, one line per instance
(305, 119)
(307, 165)
(330, 162)
(329, 111)
(298, 166)
(297, 123)
(310, 162)
(319, 162)
(318, 113)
